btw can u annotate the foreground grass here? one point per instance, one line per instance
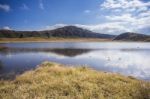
(51, 80)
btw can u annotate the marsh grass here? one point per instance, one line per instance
(52, 39)
(52, 80)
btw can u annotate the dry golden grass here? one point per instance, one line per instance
(56, 39)
(55, 81)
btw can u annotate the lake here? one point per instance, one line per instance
(130, 59)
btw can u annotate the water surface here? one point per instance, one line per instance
(130, 59)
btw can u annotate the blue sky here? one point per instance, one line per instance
(104, 16)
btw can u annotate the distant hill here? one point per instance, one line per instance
(73, 32)
(132, 37)
(67, 31)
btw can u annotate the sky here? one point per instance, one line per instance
(102, 16)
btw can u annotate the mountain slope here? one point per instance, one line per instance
(67, 31)
(132, 37)
(72, 31)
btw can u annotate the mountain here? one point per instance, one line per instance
(132, 37)
(67, 31)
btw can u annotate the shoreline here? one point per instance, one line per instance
(11, 40)
(38, 40)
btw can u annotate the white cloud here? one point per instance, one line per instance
(109, 4)
(24, 7)
(124, 17)
(41, 5)
(104, 27)
(134, 22)
(135, 13)
(87, 11)
(142, 22)
(6, 28)
(142, 9)
(5, 7)
(144, 14)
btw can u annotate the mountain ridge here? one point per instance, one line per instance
(130, 36)
(67, 31)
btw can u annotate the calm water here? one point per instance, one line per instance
(131, 59)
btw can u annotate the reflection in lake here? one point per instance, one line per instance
(66, 52)
(1, 64)
(126, 58)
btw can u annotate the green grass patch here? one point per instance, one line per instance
(52, 80)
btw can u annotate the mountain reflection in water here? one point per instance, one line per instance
(10, 73)
(65, 52)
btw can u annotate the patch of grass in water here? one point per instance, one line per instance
(52, 80)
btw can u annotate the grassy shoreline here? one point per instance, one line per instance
(56, 81)
(11, 40)
(58, 39)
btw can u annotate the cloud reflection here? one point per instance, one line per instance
(125, 62)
